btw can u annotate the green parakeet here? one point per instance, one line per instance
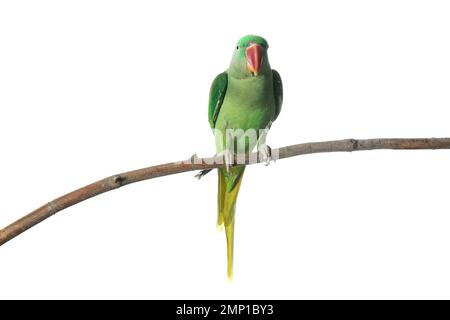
(243, 103)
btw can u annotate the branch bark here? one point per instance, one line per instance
(195, 163)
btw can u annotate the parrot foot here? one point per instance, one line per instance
(265, 154)
(202, 173)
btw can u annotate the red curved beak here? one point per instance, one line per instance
(253, 54)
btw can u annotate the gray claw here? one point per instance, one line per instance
(202, 173)
(266, 153)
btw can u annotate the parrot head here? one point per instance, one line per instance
(250, 58)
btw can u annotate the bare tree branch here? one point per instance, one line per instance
(195, 163)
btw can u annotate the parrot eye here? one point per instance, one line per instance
(237, 47)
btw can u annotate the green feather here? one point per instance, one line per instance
(216, 96)
(244, 41)
(277, 93)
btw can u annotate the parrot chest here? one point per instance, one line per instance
(248, 104)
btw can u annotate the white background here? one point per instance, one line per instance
(93, 88)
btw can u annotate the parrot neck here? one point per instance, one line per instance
(252, 91)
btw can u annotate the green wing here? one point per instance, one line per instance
(277, 93)
(216, 96)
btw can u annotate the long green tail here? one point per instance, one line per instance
(229, 184)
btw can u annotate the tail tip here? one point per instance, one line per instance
(230, 274)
